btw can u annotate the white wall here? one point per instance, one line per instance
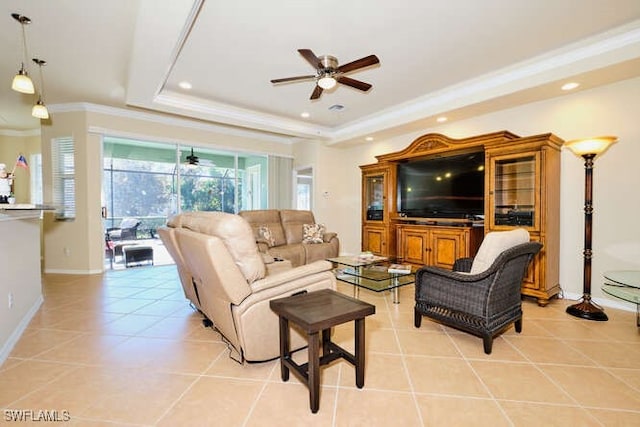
(607, 110)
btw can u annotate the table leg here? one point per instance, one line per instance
(285, 351)
(326, 338)
(359, 353)
(395, 292)
(314, 372)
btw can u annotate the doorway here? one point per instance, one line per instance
(303, 184)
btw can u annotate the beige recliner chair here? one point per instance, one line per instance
(232, 284)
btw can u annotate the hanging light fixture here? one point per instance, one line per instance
(22, 82)
(192, 159)
(39, 110)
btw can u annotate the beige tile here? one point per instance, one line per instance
(214, 401)
(549, 350)
(130, 324)
(426, 343)
(527, 414)
(594, 387)
(287, 404)
(519, 381)
(456, 411)
(444, 376)
(616, 418)
(573, 328)
(118, 395)
(23, 378)
(472, 348)
(559, 371)
(36, 341)
(88, 349)
(375, 408)
(224, 366)
(382, 372)
(163, 355)
(612, 354)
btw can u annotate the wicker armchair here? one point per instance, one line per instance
(482, 303)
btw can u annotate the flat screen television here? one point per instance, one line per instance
(442, 187)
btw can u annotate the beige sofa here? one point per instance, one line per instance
(227, 279)
(287, 231)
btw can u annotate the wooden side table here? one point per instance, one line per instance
(314, 312)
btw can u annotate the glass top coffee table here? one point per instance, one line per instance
(624, 284)
(370, 274)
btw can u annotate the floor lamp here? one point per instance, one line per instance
(588, 149)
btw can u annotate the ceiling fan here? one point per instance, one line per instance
(328, 73)
(193, 160)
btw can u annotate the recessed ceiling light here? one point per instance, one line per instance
(304, 114)
(185, 85)
(441, 119)
(369, 138)
(570, 86)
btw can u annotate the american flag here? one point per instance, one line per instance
(22, 162)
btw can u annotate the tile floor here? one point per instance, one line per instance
(126, 349)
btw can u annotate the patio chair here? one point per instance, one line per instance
(482, 295)
(127, 230)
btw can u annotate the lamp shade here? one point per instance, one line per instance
(39, 110)
(597, 145)
(22, 82)
(326, 82)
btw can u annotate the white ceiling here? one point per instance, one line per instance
(445, 57)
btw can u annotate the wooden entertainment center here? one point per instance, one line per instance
(521, 189)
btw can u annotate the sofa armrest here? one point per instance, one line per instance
(328, 236)
(291, 275)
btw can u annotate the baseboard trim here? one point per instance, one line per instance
(605, 302)
(19, 330)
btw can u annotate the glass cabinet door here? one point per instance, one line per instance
(515, 191)
(374, 196)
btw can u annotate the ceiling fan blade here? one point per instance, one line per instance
(316, 93)
(293, 79)
(311, 58)
(359, 63)
(354, 83)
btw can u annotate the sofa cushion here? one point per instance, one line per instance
(265, 233)
(494, 244)
(266, 218)
(312, 233)
(237, 235)
(292, 222)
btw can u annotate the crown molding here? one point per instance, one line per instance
(167, 120)
(236, 116)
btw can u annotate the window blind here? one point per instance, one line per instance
(64, 181)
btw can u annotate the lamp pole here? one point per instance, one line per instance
(588, 149)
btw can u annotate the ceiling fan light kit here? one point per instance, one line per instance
(328, 73)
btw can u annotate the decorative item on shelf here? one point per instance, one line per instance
(399, 268)
(40, 110)
(588, 149)
(22, 82)
(6, 180)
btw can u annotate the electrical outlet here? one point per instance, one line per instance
(10, 298)
(67, 251)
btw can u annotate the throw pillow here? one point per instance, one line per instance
(265, 233)
(312, 233)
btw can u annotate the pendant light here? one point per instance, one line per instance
(22, 82)
(39, 110)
